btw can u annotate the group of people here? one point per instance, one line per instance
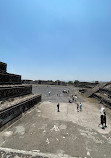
(73, 99)
(79, 107)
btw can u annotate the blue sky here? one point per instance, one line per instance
(56, 39)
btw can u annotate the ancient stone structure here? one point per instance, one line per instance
(12, 153)
(104, 94)
(101, 92)
(3, 67)
(96, 88)
(45, 82)
(16, 110)
(10, 91)
(7, 78)
(20, 95)
(86, 84)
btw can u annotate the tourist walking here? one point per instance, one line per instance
(80, 107)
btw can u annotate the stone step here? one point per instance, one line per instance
(11, 110)
(14, 91)
(96, 88)
(105, 91)
(103, 99)
(14, 153)
(7, 78)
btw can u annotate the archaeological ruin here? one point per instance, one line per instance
(33, 128)
(15, 97)
(100, 91)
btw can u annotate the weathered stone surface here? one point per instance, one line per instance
(67, 133)
(90, 92)
(6, 78)
(3, 67)
(86, 84)
(14, 111)
(103, 99)
(11, 111)
(10, 153)
(105, 91)
(14, 91)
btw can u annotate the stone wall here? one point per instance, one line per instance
(86, 84)
(27, 81)
(103, 100)
(14, 91)
(14, 153)
(10, 113)
(6, 78)
(106, 91)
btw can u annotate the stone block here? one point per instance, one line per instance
(11, 113)
(6, 78)
(14, 91)
(3, 67)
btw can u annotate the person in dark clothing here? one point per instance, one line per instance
(77, 107)
(58, 107)
(104, 119)
(73, 98)
(101, 121)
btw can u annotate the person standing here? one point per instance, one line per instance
(101, 120)
(104, 119)
(58, 107)
(80, 107)
(77, 107)
(73, 98)
(102, 110)
(49, 93)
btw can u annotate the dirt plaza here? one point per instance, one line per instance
(67, 133)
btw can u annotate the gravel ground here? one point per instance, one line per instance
(44, 90)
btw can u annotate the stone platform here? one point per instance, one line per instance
(10, 87)
(67, 133)
(9, 111)
(11, 91)
(5, 152)
(7, 78)
(103, 99)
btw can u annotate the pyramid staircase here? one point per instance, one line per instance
(90, 92)
(15, 98)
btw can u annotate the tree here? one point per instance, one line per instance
(70, 82)
(76, 82)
